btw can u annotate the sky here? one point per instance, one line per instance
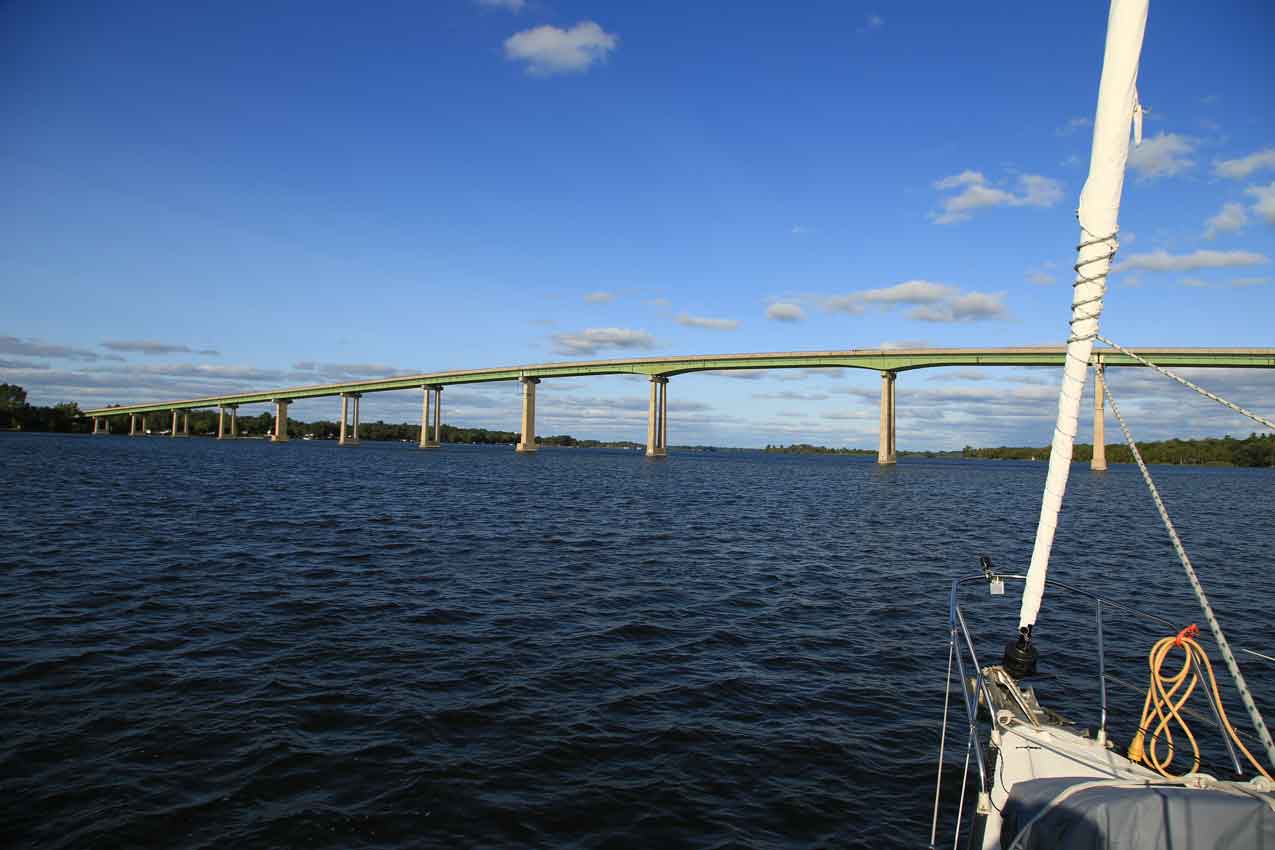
(206, 198)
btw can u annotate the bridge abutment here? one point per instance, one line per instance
(527, 439)
(886, 450)
(657, 418)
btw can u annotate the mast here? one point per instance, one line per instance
(1099, 212)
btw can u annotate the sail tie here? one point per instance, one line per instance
(1112, 241)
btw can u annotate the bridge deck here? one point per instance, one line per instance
(891, 360)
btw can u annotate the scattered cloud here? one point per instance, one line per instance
(599, 297)
(1230, 219)
(1250, 281)
(872, 24)
(19, 364)
(909, 292)
(1265, 203)
(661, 303)
(544, 323)
(970, 307)
(593, 340)
(740, 374)
(511, 5)
(316, 371)
(707, 324)
(35, 348)
(1040, 277)
(792, 396)
(798, 230)
(1238, 169)
(1194, 282)
(1162, 155)
(1163, 261)
(784, 311)
(151, 347)
(548, 50)
(930, 302)
(897, 344)
(1074, 124)
(975, 193)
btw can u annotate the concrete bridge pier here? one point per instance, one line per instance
(185, 429)
(101, 425)
(280, 420)
(886, 450)
(527, 441)
(657, 418)
(431, 403)
(1099, 461)
(185, 423)
(349, 419)
(231, 433)
(133, 429)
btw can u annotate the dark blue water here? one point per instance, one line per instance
(243, 645)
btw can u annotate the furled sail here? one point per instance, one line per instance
(1099, 211)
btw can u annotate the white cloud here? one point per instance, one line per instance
(1040, 277)
(1250, 281)
(1163, 261)
(1074, 124)
(1230, 219)
(1194, 282)
(798, 230)
(35, 348)
(874, 22)
(970, 307)
(600, 297)
(932, 302)
(548, 50)
(593, 340)
(706, 323)
(1162, 155)
(1238, 169)
(965, 178)
(792, 396)
(1034, 190)
(659, 303)
(151, 347)
(897, 344)
(511, 5)
(783, 311)
(1265, 203)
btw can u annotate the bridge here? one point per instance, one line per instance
(889, 362)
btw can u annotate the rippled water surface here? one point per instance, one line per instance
(244, 645)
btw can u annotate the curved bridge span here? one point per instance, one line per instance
(889, 362)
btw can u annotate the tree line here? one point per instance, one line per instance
(1253, 450)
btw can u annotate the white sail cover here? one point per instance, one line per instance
(1099, 210)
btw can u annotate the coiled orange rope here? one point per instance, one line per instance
(1165, 697)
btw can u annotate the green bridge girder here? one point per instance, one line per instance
(880, 360)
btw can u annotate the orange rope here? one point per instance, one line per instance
(1165, 697)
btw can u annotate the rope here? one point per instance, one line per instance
(1184, 382)
(1113, 242)
(1215, 627)
(1166, 695)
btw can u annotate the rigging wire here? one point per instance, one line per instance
(1215, 627)
(1184, 382)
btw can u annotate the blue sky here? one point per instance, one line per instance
(252, 195)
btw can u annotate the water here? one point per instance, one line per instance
(244, 645)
